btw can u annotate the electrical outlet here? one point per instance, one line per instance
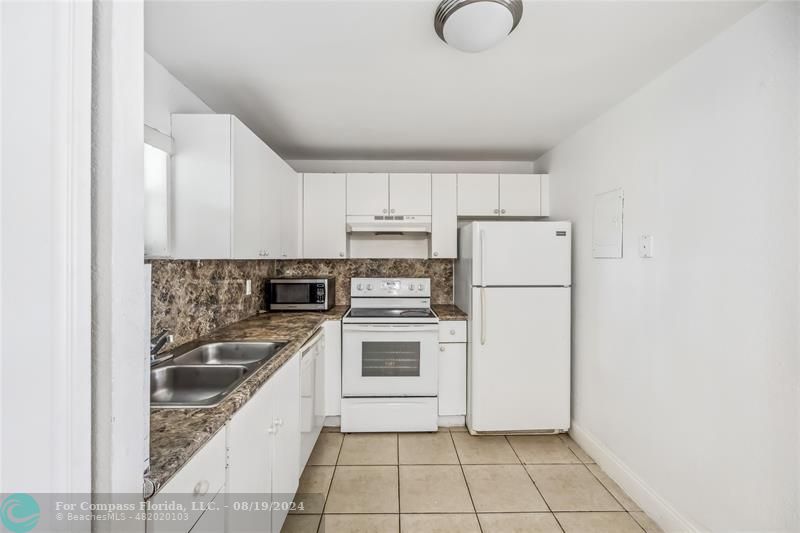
(248, 288)
(646, 246)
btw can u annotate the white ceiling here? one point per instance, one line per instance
(371, 80)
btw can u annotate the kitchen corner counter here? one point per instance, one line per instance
(177, 434)
(449, 312)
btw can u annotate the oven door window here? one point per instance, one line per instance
(290, 293)
(390, 359)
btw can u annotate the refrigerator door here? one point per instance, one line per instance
(521, 253)
(518, 374)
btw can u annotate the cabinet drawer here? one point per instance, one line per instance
(196, 483)
(453, 331)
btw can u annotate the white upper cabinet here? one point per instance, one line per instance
(324, 231)
(250, 168)
(388, 194)
(226, 190)
(478, 195)
(520, 195)
(410, 194)
(291, 202)
(503, 195)
(201, 186)
(367, 194)
(444, 216)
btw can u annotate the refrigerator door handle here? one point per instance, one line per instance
(483, 254)
(483, 315)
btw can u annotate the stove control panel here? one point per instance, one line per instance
(390, 287)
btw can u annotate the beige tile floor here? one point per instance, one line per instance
(450, 481)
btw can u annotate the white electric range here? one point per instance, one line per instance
(389, 356)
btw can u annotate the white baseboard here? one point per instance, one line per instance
(659, 509)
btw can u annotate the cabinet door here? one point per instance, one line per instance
(250, 456)
(452, 379)
(333, 368)
(201, 186)
(290, 213)
(477, 195)
(520, 195)
(410, 194)
(286, 417)
(271, 200)
(367, 194)
(194, 486)
(250, 171)
(324, 232)
(444, 217)
(213, 519)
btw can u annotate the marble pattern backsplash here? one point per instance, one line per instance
(439, 270)
(191, 298)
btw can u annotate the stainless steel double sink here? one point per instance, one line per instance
(206, 374)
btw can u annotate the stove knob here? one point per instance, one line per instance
(358, 287)
(369, 286)
(419, 286)
(411, 286)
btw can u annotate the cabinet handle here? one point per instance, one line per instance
(441, 348)
(496, 211)
(278, 422)
(502, 211)
(201, 488)
(435, 254)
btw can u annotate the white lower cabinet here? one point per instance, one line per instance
(194, 486)
(213, 519)
(452, 368)
(263, 439)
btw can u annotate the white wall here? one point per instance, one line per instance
(686, 365)
(341, 165)
(119, 364)
(45, 247)
(164, 95)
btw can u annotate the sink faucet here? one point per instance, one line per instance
(156, 343)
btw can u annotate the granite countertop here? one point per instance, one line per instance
(177, 434)
(449, 312)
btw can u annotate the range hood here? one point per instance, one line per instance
(389, 224)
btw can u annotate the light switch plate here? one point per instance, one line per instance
(646, 246)
(248, 288)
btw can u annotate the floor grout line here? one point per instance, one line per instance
(469, 491)
(461, 465)
(541, 495)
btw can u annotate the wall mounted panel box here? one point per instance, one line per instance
(230, 191)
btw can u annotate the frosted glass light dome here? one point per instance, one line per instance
(476, 25)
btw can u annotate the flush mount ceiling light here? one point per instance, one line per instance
(476, 25)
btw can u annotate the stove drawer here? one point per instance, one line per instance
(453, 331)
(389, 414)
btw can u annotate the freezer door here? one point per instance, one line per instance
(519, 359)
(522, 253)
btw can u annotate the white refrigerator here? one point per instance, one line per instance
(514, 281)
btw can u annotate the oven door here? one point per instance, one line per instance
(389, 359)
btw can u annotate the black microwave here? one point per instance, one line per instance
(296, 294)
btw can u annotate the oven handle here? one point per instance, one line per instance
(395, 328)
